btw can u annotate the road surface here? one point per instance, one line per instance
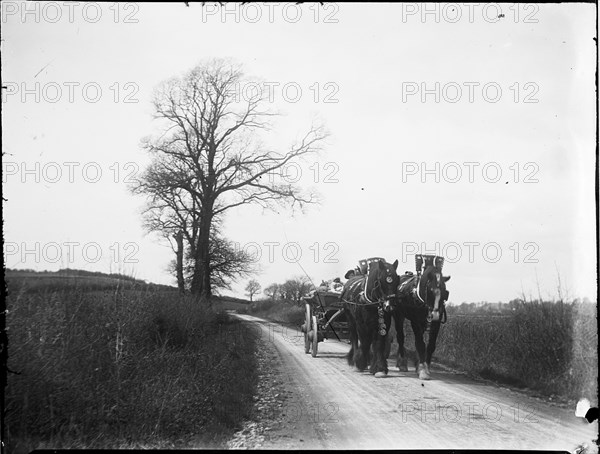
(323, 403)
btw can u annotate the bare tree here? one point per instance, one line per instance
(170, 213)
(175, 217)
(252, 288)
(208, 154)
(226, 263)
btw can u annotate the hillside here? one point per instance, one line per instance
(30, 280)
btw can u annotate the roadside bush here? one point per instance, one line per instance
(264, 305)
(551, 347)
(123, 368)
(278, 311)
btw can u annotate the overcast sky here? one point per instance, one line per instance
(467, 131)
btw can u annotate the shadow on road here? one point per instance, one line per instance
(331, 355)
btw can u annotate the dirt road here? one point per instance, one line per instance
(322, 403)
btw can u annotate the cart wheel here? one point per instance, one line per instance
(307, 322)
(315, 340)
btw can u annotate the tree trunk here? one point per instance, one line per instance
(180, 280)
(201, 279)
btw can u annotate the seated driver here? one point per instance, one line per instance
(336, 285)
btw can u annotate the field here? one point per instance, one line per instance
(551, 347)
(110, 362)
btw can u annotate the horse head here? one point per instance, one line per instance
(432, 291)
(382, 281)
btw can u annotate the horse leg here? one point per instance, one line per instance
(419, 330)
(380, 368)
(361, 355)
(401, 362)
(433, 334)
(372, 354)
(370, 324)
(366, 351)
(350, 357)
(372, 328)
(388, 337)
(357, 358)
(376, 344)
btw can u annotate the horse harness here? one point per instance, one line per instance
(368, 302)
(412, 279)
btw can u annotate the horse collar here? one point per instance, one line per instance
(366, 290)
(417, 289)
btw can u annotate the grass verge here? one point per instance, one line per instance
(123, 368)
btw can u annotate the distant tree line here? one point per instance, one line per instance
(291, 291)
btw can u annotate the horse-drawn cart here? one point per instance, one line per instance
(323, 314)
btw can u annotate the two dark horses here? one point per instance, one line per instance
(372, 298)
